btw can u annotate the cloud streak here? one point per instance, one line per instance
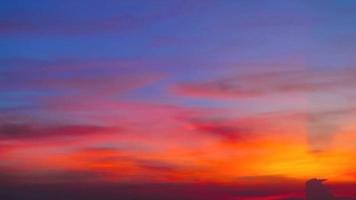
(222, 129)
(269, 83)
(71, 76)
(35, 23)
(21, 131)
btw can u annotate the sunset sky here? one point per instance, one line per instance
(224, 94)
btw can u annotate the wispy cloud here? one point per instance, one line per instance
(13, 131)
(74, 77)
(34, 23)
(269, 83)
(225, 130)
(25, 21)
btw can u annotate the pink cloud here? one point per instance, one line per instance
(13, 131)
(222, 129)
(261, 84)
(77, 77)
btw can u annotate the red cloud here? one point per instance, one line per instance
(20, 131)
(222, 129)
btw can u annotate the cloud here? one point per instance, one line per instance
(113, 20)
(117, 156)
(323, 125)
(137, 191)
(57, 25)
(9, 176)
(267, 83)
(76, 77)
(329, 94)
(222, 129)
(23, 131)
(155, 165)
(320, 124)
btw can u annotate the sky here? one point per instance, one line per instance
(231, 99)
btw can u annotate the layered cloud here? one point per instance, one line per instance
(18, 131)
(328, 96)
(175, 100)
(76, 77)
(204, 191)
(269, 83)
(23, 20)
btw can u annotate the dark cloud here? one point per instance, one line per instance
(224, 130)
(15, 177)
(23, 131)
(116, 155)
(201, 191)
(254, 187)
(155, 165)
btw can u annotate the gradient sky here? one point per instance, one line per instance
(179, 92)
